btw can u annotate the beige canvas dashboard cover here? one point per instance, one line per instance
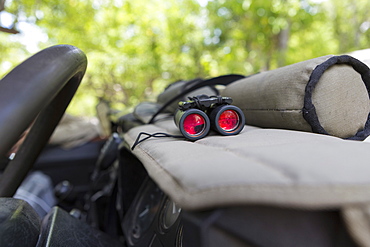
(258, 166)
(273, 167)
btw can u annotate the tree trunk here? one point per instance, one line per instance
(283, 39)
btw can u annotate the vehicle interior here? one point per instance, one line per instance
(294, 174)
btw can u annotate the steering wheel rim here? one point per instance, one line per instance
(36, 92)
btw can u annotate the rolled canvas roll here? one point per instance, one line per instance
(327, 95)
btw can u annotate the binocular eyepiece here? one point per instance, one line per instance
(197, 116)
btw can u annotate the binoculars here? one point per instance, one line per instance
(197, 116)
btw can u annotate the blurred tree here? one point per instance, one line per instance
(351, 23)
(136, 48)
(6, 29)
(265, 31)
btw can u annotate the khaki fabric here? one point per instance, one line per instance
(274, 167)
(274, 99)
(74, 131)
(357, 218)
(342, 101)
(268, 166)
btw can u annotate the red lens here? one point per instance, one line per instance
(194, 124)
(228, 120)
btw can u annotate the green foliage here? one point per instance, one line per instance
(136, 48)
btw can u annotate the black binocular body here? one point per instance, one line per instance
(197, 116)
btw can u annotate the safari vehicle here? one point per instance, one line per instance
(277, 184)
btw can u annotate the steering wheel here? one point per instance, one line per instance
(36, 93)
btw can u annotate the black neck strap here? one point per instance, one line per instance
(221, 80)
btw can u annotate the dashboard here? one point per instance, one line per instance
(153, 220)
(149, 218)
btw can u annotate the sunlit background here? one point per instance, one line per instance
(136, 48)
